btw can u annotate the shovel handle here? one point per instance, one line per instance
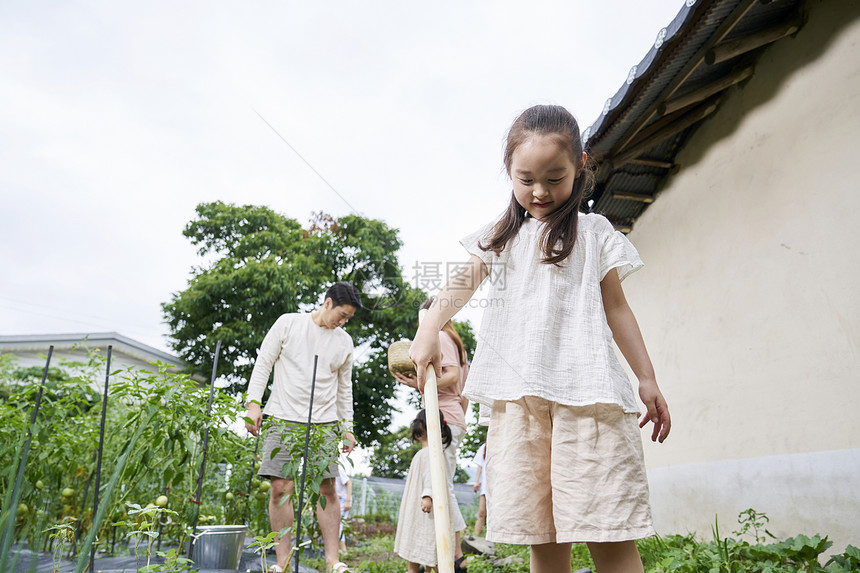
(438, 475)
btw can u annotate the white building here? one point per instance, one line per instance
(32, 349)
(732, 159)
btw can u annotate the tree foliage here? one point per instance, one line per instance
(394, 452)
(260, 264)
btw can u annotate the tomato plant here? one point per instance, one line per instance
(152, 453)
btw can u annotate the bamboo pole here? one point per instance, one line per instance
(438, 475)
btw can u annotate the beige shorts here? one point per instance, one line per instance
(274, 467)
(559, 474)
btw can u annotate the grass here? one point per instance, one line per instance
(373, 541)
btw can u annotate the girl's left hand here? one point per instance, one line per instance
(658, 410)
(426, 504)
(406, 379)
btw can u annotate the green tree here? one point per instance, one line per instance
(393, 454)
(475, 435)
(259, 264)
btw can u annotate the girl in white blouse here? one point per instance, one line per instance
(564, 456)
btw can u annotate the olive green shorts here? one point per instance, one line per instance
(274, 467)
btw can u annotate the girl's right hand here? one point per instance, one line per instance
(425, 350)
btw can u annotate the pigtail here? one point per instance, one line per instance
(419, 428)
(447, 436)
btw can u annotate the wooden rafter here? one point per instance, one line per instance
(688, 119)
(729, 50)
(638, 197)
(704, 92)
(722, 31)
(652, 163)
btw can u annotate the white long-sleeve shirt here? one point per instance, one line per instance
(289, 347)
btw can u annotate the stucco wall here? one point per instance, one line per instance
(750, 298)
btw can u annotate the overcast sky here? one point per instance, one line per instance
(118, 118)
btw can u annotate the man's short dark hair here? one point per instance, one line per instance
(342, 293)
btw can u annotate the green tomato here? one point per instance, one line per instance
(255, 482)
(161, 501)
(260, 495)
(265, 486)
(229, 496)
(67, 492)
(23, 509)
(39, 484)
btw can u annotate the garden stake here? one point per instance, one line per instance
(305, 466)
(438, 475)
(12, 503)
(251, 480)
(74, 548)
(205, 445)
(160, 525)
(99, 463)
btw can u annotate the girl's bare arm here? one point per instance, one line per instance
(628, 337)
(450, 376)
(425, 348)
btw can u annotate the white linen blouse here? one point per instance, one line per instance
(544, 331)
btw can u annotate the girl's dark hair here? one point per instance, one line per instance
(419, 428)
(556, 122)
(448, 328)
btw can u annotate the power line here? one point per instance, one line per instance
(299, 155)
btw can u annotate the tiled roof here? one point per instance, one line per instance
(709, 47)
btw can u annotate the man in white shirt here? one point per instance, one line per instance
(289, 347)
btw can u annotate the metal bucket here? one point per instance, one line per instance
(219, 546)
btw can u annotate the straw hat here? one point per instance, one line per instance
(398, 357)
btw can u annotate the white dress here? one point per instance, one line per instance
(415, 540)
(544, 331)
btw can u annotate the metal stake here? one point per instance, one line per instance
(99, 463)
(250, 481)
(16, 492)
(205, 444)
(305, 465)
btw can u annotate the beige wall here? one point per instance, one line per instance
(750, 297)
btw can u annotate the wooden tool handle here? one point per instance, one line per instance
(438, 475)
